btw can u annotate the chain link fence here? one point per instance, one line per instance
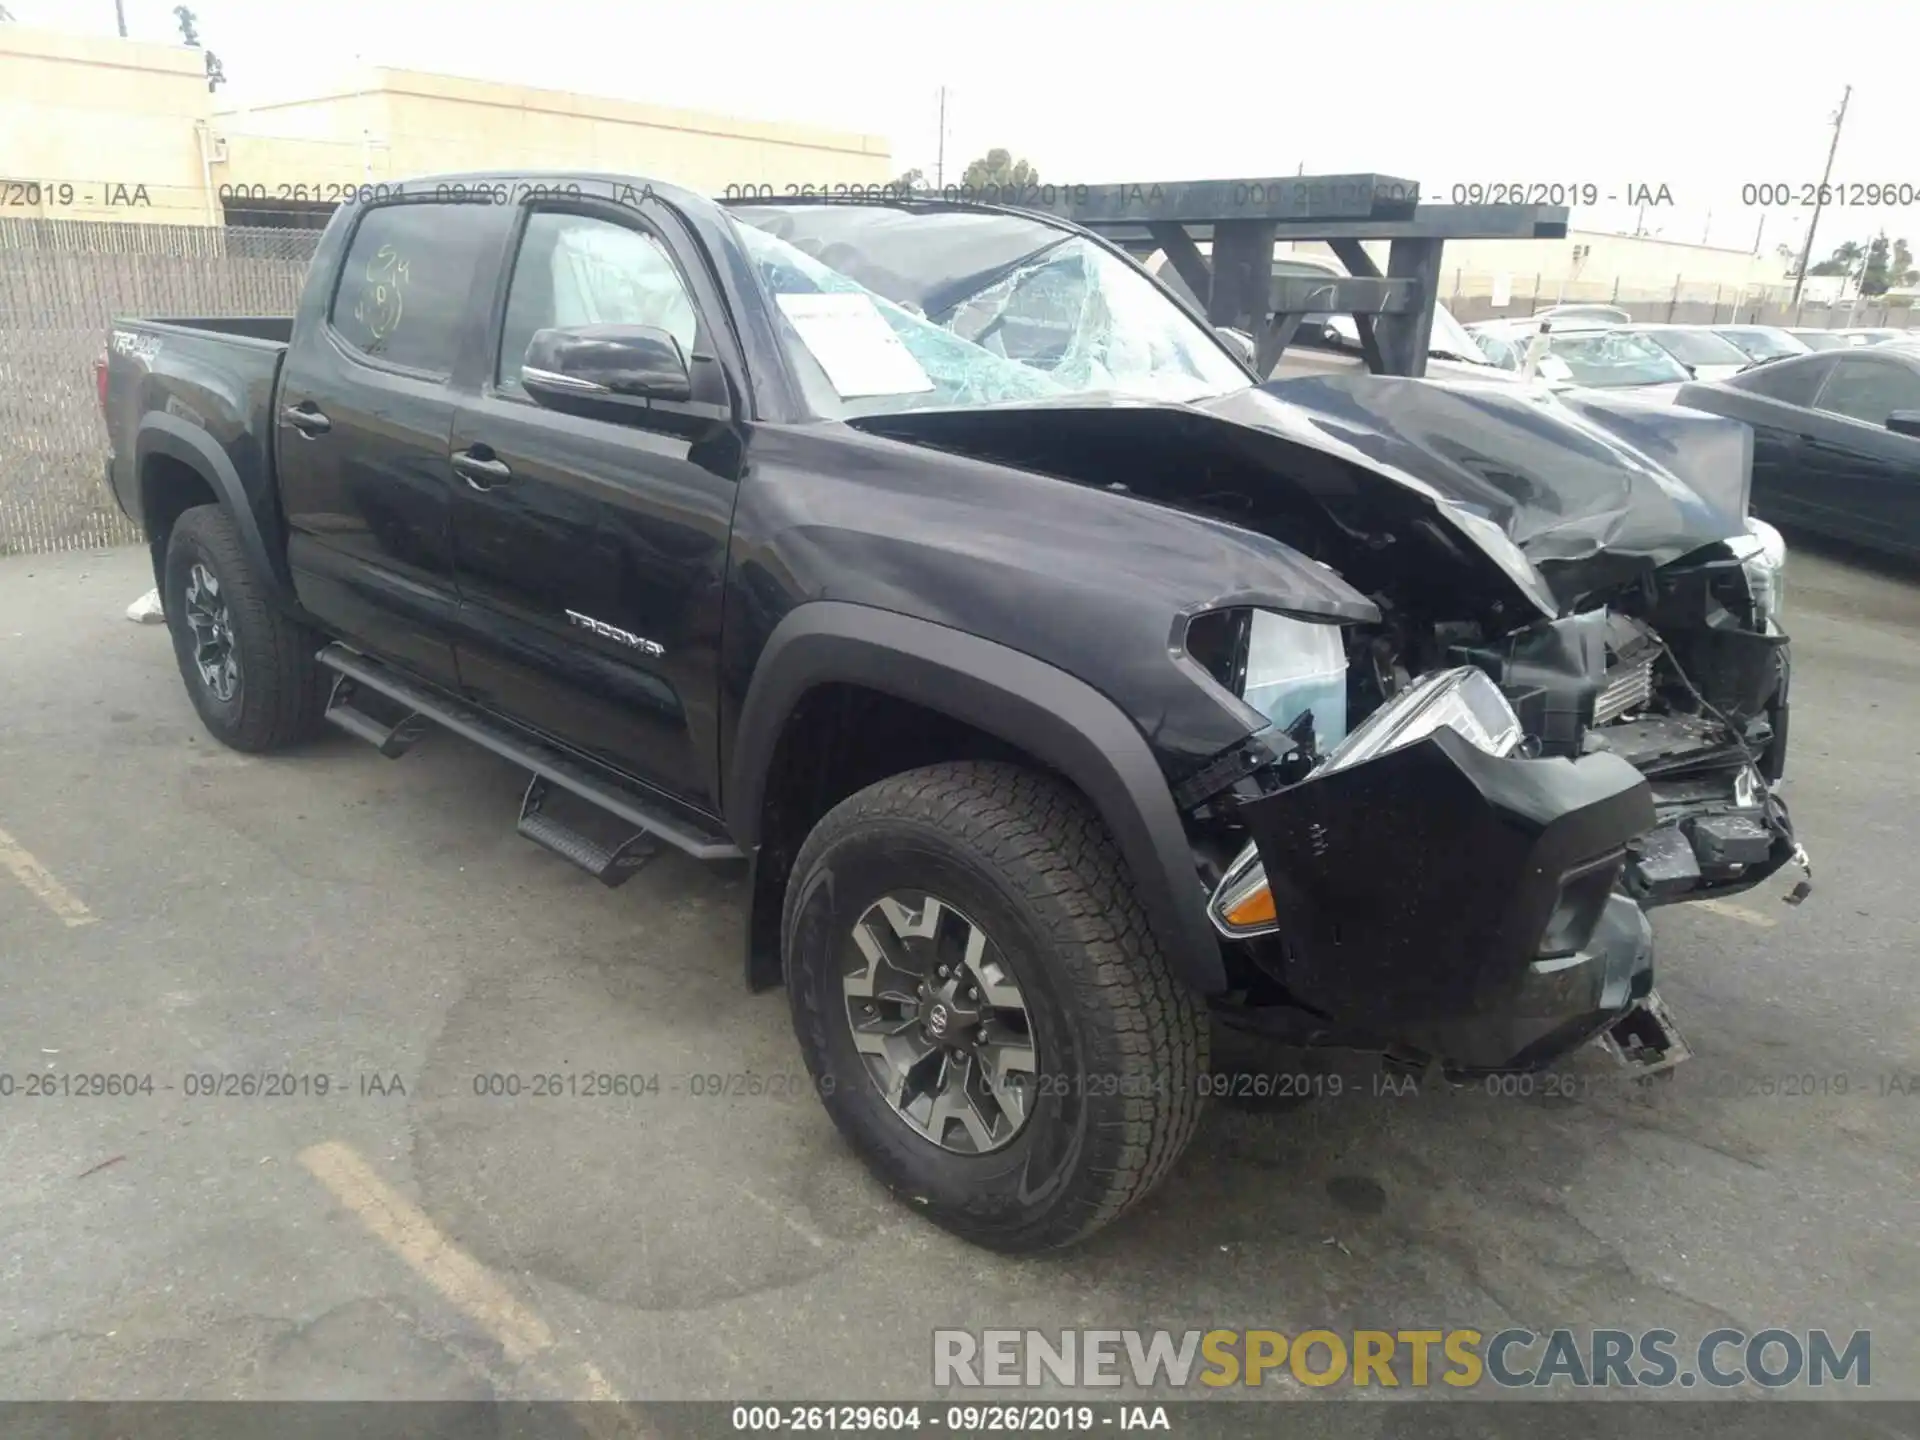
(62, 283)
(1478, 296)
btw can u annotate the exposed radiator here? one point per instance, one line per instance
(1628, 688)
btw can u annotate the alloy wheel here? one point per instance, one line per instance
(940, 1023)
(215, 655)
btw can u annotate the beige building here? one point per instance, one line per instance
(94, 129)
(109, 129)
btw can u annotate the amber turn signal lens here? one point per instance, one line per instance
(1255, 910)
(1242, 905)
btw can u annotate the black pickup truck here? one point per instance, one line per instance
(1063, 691)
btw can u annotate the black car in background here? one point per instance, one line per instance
(1836, 441)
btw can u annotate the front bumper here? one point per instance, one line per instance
(1709, 846)
(1721, 829)
(1416, 893)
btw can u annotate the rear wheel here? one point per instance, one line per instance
(248, 668)
(987, 1015)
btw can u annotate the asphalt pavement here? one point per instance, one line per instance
(463, 1213)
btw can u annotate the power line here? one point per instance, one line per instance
(1820, 196)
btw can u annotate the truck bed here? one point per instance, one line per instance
(277, 329)
(201, 391)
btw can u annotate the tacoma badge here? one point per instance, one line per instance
(625, 637)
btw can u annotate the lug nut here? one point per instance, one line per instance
(973, 992)
(941, 972)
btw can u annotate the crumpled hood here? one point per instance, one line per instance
(1593, 486)
(1470, 493)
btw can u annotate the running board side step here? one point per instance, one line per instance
(551, 767)
(610, 867)
(392, 740)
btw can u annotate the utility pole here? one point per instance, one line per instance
(1820, 198)
(120, 14)
(940, 154)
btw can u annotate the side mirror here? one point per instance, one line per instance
(598, 363)
(1905, 422)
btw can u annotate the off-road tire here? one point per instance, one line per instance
(282, 690)
(1122, 1041)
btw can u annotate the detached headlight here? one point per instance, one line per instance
(1463, 700)
(1763, 557)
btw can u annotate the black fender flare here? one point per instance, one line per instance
(164, 434)
(1061, 721)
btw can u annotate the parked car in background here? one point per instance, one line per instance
(1452, 353)
(1328, 342)
(1836, 441)
(1502, 342)
(1593, 314)
(1606, 357)
(1763, 342)
(1823, 339)
(1876, 334)
(1614, 359)
(1706, 355)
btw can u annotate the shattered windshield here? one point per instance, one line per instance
(890, 309)
(1606, 359)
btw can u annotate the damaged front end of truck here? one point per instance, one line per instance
(1568, 705)
(1463, 874)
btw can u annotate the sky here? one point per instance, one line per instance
(1699, 96)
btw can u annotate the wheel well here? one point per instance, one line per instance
(839, 739)
(168, 489)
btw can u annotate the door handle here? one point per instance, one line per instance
(479, 472)
(305, 418)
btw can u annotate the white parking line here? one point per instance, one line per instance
(1737, 912)
(39, 880)
(468, 1285)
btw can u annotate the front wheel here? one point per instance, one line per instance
(248, 668)
(984, 1009)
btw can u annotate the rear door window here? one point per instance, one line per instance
(1869, 390)
(1792, 382)
(407, 286)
